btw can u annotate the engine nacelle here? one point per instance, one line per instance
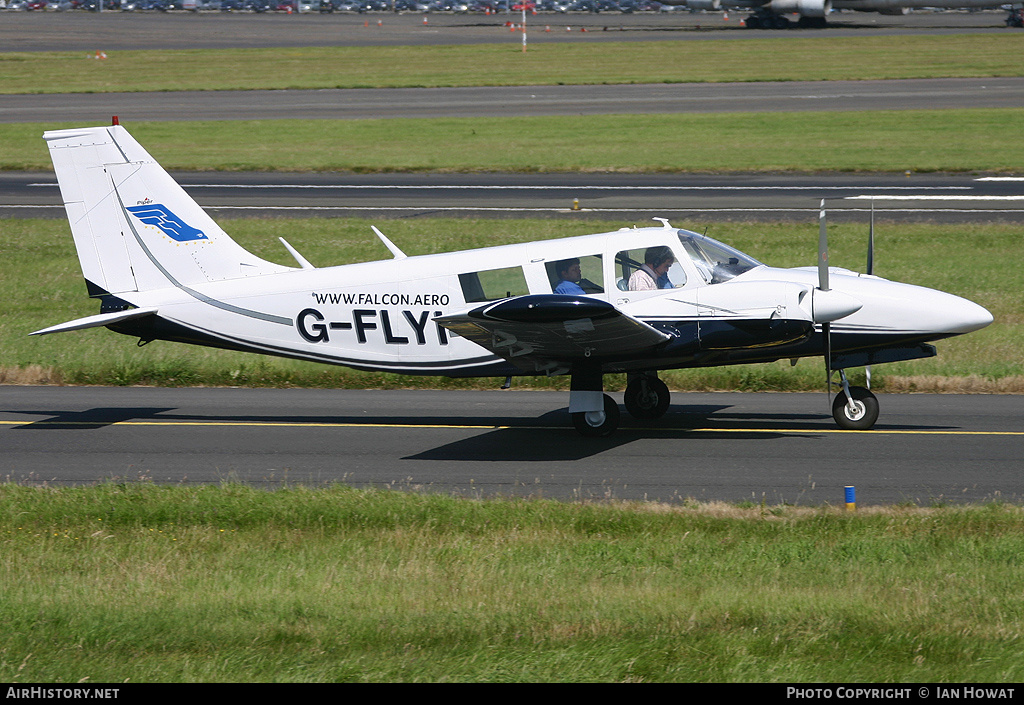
(804, 8)
(704, 4)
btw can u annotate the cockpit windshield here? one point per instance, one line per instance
(715, 261)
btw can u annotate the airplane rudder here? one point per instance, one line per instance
(134, 226)
(78, 157)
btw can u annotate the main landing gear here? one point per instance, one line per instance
(646, 397)
(598, 424)
(596, 415)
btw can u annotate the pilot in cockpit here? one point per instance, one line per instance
(569, 275)
(653, 274)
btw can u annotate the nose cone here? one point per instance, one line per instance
(896, 309)
(935, 314)
(963, 316)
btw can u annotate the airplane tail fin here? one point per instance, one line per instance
(135, 229)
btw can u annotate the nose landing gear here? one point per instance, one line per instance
(856, 409)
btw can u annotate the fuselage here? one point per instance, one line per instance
(723, 307)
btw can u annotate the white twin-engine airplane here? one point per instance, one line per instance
(635, 301)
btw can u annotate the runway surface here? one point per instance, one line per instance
(735, 447)
(518, 101)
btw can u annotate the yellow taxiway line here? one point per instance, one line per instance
(648, 429)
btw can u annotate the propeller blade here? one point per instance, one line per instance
(871, 240)
(871, 269)
(822, 250)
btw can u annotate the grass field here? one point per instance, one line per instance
(802, 59)
(139, 583)
(972, 140)
(43, 286)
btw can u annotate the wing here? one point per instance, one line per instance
(546, 332)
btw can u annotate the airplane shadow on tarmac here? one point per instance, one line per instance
(546, 438)
(557, 441)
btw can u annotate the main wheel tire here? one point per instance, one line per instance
(863, 414)
(596, 424)
(646, 398)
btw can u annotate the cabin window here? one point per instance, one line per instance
(576, 275)
(627, 262)
(493, 284)
(715, 261)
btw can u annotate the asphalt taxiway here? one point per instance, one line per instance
(518, 101)
(688, 199)
(776, 448)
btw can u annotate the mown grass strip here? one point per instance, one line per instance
(940, 140)
(145, 583)
(42, 285)
(789, 59)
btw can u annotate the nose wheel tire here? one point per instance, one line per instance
(646, 398)
(598, 424)
(859, 415)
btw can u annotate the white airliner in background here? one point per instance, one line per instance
(632, 301)
(771, 14)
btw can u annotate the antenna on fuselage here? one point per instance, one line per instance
(303, 262)
(388, 244)
(871, 240)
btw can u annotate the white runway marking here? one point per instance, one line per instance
(548, 187)
(895, 197)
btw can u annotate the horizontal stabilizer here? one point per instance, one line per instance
(99, 320)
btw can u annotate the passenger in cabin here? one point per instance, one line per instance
(653, 274)
(569, 275)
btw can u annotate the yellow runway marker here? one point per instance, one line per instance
(349, 424)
